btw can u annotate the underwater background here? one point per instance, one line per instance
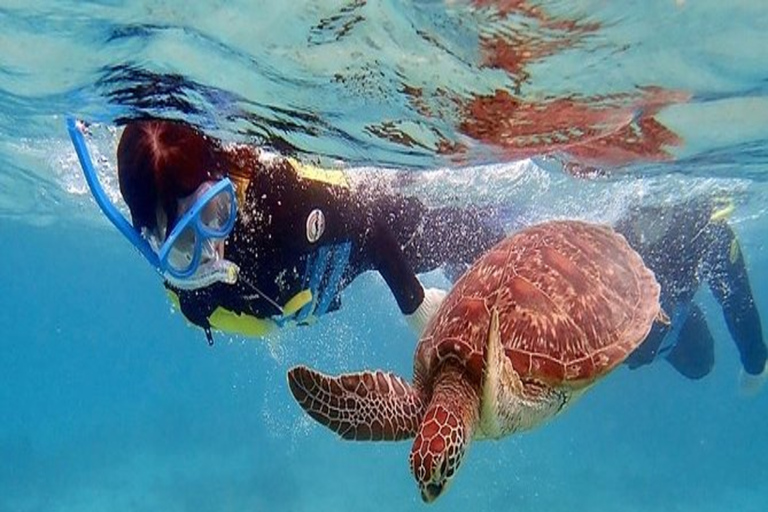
(109, 401)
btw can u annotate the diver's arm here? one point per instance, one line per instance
(730, 286)
(349, 217)
(417, 304)
(390, 262)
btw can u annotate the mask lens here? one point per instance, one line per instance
(216, 216)
(181, 256)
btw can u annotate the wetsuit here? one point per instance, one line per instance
(685, 246)
(296, 232)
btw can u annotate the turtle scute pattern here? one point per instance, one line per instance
(351, 405)
(573, 300)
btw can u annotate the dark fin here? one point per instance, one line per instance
(694, 353)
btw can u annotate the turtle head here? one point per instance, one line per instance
(437, 451)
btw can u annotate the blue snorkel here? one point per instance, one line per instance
(193, 277)
(103, 201)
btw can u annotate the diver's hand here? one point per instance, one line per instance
(750, 385)
(419, 319)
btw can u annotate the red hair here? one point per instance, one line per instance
(160, 162)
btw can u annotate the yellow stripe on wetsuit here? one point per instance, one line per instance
(310, 172)
(721, 214)
(248, 325)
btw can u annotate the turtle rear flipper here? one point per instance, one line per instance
(365, 406)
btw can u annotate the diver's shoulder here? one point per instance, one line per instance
(250, 162)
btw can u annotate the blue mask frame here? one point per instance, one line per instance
(203, 232)
(159, 263)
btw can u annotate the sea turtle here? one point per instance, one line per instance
(527, 329)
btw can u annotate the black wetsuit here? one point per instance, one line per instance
(684, 246)
(394, 235)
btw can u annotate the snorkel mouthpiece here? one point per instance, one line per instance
(219, 271)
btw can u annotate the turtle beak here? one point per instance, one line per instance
(431, 492)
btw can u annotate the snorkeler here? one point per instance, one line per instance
(685, 245)
(248, 242)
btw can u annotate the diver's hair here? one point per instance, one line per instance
(161, 161)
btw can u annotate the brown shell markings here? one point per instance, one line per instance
(574, 299)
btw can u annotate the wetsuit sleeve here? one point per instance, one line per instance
(408, 238)
(729, 283)
(390, 261)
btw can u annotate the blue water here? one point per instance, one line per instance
(109, 401)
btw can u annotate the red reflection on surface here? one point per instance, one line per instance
(600, 130)
(592, 130)
(512, 47)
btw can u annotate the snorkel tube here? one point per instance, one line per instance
(221, 271)
(103, 201)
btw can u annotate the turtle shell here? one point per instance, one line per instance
(574, 300)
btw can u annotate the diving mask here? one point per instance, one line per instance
(191, 256)
(198, 237)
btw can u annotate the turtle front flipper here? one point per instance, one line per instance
(507, 403)
(502, 389)
(365, 406)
